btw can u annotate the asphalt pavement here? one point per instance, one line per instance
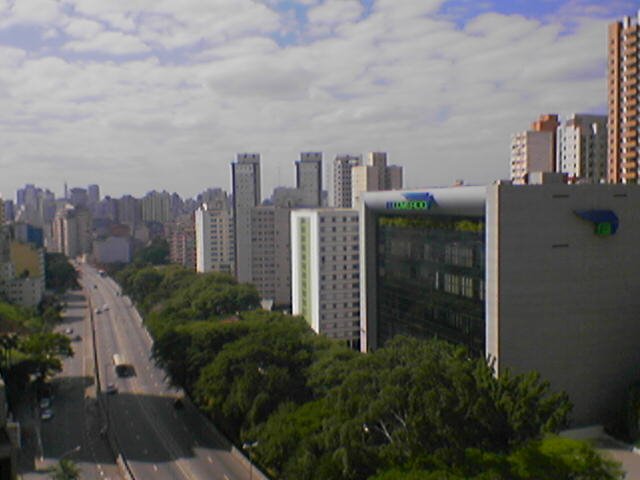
(73, 431)
(155, 439)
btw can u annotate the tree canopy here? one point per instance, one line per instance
(59, 273)
(315, 409)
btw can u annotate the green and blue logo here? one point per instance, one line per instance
(414, 201)
(605, 221)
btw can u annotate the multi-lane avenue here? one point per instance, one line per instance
(156, 439)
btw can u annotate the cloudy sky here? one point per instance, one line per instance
(161, 94)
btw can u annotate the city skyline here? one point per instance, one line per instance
(164, 95)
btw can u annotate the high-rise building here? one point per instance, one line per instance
(79, 197)
(93, 192)
(623, 84)
(582, 148)
(2, 213)
(342, 166)
(129, 210)
(374, 176)
(9, 211)
(309, 178)
(245, 179)
(214, 239)
(181, 236)
(534, 150)
(325, 272)
(72, 234)
(214, 198)
(156, 207)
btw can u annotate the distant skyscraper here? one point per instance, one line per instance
(534, 150)
(9, 212)
(623, 84)
(342, 166)
(79, 197)
(156, 207)
(72, 231)
(93, 192)
(309, 178)
(129, 210)
(245, 178)
(582, 148)
(374, 176)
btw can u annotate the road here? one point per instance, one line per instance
(157, 440)
(76, 421)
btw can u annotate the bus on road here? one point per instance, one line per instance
(123, 369)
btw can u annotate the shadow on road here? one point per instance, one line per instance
(149, 429)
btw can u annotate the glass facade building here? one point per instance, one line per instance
(430, 272)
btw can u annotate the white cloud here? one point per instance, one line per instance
(82, 28)
(401, 79)
(115, 43)
(38, 12)
(333, 12)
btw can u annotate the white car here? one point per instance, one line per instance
(98, 311)
(46, 414)
(69, 331)
(111, 389)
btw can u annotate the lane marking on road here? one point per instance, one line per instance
(226, 477)
(210, 459)
(155, 467)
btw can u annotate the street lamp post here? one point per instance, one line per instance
(248, 446)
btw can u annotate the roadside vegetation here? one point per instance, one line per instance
(310, 408)
(60, 275)
(29, 349)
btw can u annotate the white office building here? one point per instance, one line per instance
(214, 239)
(325, 272)
(582, 148)
(342, 166)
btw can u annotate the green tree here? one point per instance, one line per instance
(46, 351)
(59, 273)
(253, 375)
(156, 253)
(65, 469)
(416, 397)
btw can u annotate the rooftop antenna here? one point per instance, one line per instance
(66, 191)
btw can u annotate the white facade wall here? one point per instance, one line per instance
(214, 240)
(342, 166)
(531, 152)
(325, 271)
(582, 148)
